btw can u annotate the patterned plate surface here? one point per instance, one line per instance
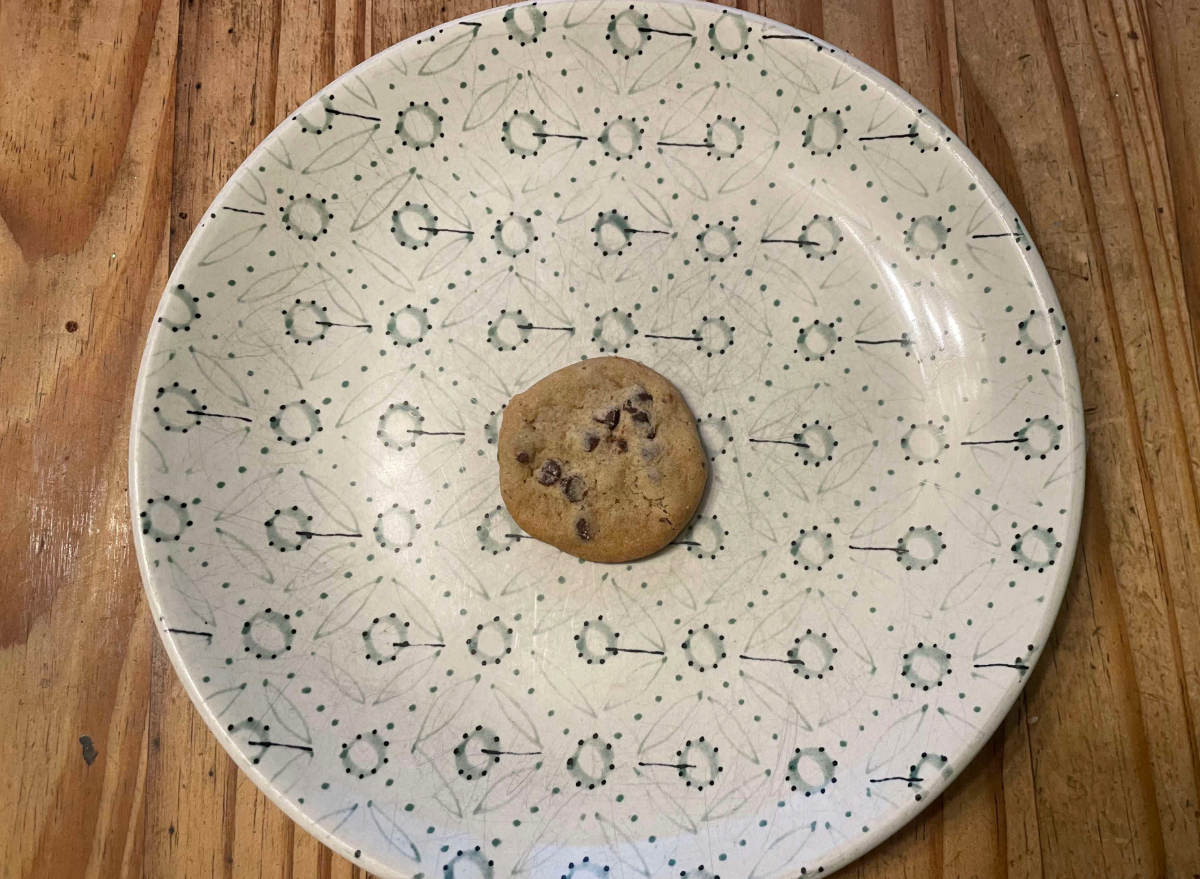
(882, 378)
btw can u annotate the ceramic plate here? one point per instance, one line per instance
(882, 379)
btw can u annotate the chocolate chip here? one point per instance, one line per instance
(549, 473)
(522, 457)
(622, 447)
(653, 433)
(590, 441)
(609, 419)
(641, 417)
(575, 488)
(583, 529)
(629, 407)
(643, 397)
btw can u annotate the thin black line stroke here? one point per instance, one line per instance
(634, 650)
(771, 659)
(190, 632)
(1021, 439)
(216, 415)
(355, 115)
(654, 30)
(280, 745)
(798, 445)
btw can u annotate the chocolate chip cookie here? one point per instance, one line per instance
(602, 459)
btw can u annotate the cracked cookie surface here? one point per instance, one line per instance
(602, 460)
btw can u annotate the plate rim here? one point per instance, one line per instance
(1044, 291)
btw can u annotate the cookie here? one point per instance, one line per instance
(602, 459)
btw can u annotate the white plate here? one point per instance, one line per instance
(882, 377)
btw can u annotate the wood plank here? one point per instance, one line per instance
(1174, 45)
(1022, 843)
(974, 822)
(83, 212)
(1090, 734)
(310, 859)
(1126, 167)
(1039, 144)
(352, 34)
(866, 30)
(307, 59)
(923, 53)
(393, 21)
(914, 852)
(262, 837)
(225, 100)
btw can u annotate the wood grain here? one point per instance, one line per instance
(123, 119)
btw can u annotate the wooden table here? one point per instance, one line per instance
(121, 119)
